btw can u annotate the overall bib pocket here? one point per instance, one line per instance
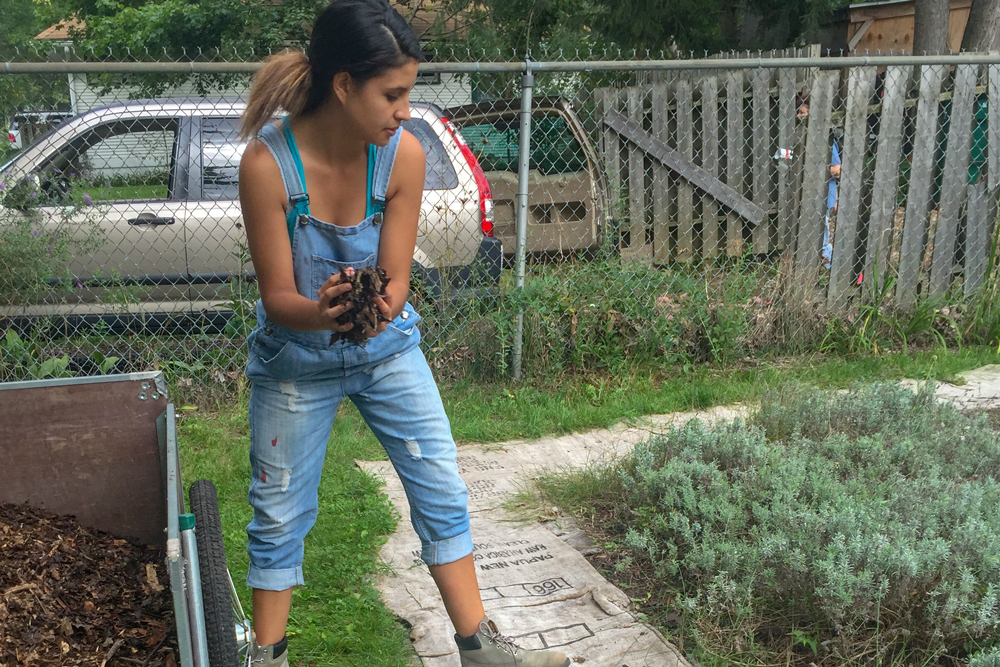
(323, 268)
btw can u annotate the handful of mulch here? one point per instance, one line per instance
(74, 596)
(367, 284)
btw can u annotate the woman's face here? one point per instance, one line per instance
(379, 105)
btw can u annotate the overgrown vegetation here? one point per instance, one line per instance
(587, 313)
(37, 245)
(857, 528)
(607, 315)
(582, 315)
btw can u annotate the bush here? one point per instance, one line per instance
(859, 525)
(29, 257)
(598, 314)
(989, 658)
(36, 245)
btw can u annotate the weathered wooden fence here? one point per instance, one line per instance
(716, 164)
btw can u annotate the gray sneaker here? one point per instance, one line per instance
(271, 655)
(489, 648)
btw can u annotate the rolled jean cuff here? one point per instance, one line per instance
(275, 580)
(448, 550)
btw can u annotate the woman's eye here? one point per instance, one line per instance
(392, 98)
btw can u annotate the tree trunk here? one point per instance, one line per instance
(930, 27)
(982, 32)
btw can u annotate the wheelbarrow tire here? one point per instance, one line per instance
(220, 626)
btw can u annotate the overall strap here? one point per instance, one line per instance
(378, 183)
(281, 143)
(369, 202)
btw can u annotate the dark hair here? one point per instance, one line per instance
(361, 37)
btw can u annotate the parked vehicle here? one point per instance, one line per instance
(26, 127)
(162, 175)
(568, 193)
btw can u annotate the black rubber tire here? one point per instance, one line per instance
(220, 626)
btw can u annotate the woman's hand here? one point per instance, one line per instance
(335, 285)
(385, 312)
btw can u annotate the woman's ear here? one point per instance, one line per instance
(342, 84)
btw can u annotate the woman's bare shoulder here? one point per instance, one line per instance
(259, 168)
(410, 150)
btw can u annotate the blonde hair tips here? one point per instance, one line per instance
(283, 82)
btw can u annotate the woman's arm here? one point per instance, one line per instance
(399, 228)
(262, 198)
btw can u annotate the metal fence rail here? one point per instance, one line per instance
(677, 210)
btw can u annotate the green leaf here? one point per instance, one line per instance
(108, 364)
(54, 367)
(12, 342)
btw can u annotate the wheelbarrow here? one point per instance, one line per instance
(104, 449)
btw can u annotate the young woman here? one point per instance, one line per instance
(337, 184)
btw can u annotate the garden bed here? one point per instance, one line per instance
(829, 529)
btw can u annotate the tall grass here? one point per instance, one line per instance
(983, 323)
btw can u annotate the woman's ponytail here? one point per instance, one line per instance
(282, 83)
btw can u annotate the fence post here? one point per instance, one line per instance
(524, 158)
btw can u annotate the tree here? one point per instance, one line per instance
(654, 25)
(179, 29)
(512, 27)
(18, 27)
(233, 30)
(982, 32)
(650, 24)
(712, 25)
(19, 23)
(930, 26)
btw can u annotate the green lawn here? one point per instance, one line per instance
(337, 619)
(141, 192)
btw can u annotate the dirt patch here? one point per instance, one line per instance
(70, 595)
(652, 598)
(635, 575)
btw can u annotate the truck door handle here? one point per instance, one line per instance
(150, 219)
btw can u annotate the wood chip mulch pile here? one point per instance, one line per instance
(74, 596)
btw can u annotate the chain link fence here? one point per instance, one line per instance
(660, 211)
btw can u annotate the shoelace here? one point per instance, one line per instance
(493, 634)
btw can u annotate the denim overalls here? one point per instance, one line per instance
(298, 380)
(319, 250)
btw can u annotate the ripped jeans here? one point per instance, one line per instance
(290, 424)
